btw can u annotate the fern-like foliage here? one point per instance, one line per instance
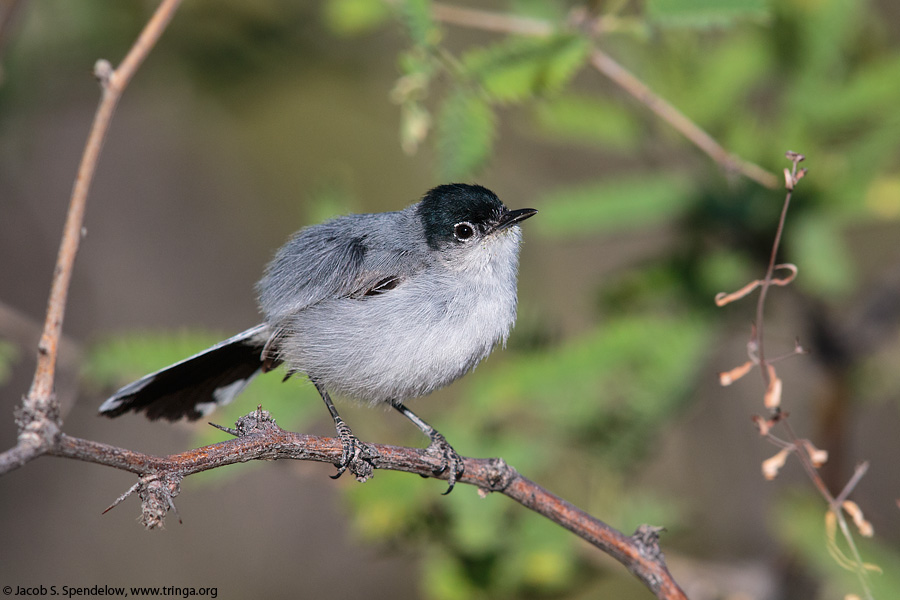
(465, 134)
(518, 68)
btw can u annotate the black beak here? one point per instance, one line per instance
(511, 217)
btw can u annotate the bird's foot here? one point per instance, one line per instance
(451, 463)
(356, 456)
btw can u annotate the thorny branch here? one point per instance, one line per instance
(257, 435)
(810, 457)
(260, 438)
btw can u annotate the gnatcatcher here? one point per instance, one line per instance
(379, 307)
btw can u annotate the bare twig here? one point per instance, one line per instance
(113, 83)
(260, 438)
(791, 178)
(38, 418)
(605, 64)
(858, 473)
(674, 117)
(489, 21)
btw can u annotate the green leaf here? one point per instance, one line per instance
(418, 67)
(465, 135)
(419, 23)
(518, 68)
(722, 82)
(590, 120)
(614, 206)
(872, 93)
(355, 16)
(705, 13)
(415, 123)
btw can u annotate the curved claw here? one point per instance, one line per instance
(451, 460)
(355, 455)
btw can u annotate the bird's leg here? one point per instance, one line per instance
(354, 453)
(439, 444)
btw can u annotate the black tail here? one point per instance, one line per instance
(195, 386)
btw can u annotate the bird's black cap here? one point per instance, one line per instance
(447, 205)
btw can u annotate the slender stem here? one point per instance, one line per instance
(852, 483)
(677, 119)
(810, 469)
(113, 83)
(489, 21)
(38, 418)
(764, 289)
(767, 281)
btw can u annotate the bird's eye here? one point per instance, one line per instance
(463, 231)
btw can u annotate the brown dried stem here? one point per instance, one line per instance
(791, 179)
(810, 457)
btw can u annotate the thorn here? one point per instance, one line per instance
(173, 509)
(227, 430)
(119, 500)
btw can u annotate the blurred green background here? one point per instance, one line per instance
(251, 120)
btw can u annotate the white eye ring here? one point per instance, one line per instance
(463, 231)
